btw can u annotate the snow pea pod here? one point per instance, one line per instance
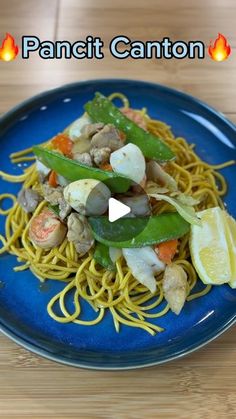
(55, 209)
(73, 170)
(101, 255)
(157, 229)
(101, 109)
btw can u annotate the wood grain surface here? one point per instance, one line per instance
(203, 384)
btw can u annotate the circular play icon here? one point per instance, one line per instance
(126, 216)
(117, 210)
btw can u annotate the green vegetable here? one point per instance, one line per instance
(157, 229)
(55, 209)
(186, 211)
(101, 255)
(73, 170)
(101, 109)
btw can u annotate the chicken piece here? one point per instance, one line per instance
(83, 158)
(64, 208)
(90, 129)
(52, 195)
(139, 204)
(28, 199)
(55, 197)
(46, 230)
(100, 155)
(80, 233)
(175, 287)
(144, 264)
(108, 136)
(81, 145)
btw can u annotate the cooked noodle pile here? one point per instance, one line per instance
(128, 301)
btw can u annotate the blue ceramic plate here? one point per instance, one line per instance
(23, 315)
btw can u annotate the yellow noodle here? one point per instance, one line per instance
(6, 196)
(22, 159)
(124, 99)
(13, 178)
(200, 293)
(21, 153)
(128, 301)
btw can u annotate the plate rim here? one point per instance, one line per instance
(25, 103)
(5, 119)
(61, 360)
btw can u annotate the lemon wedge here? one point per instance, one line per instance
(212, 248)
(230, 226)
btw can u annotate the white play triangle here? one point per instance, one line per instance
(117, 209)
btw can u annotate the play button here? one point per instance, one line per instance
(124, 216)
(117, 209)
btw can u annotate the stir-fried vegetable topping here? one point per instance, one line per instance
(63, 143)
(156, 229)
(102, 256)
(52, 180)
(144, 264)
(186, 211)
(157, 174)
(73, 170)
(167, 250)
(101, 109)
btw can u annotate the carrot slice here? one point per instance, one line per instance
(63, 143)
(122, 136)
(106, 166)
(167, 250)
(52, 180)
(135, 116)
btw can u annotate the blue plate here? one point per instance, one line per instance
(23, 315)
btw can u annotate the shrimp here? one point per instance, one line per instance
(46, 230)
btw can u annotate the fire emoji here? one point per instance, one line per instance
(8, 50)
(220, 50)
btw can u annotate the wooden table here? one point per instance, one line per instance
(203, 384)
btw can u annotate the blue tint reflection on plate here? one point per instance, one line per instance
(23, 315)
